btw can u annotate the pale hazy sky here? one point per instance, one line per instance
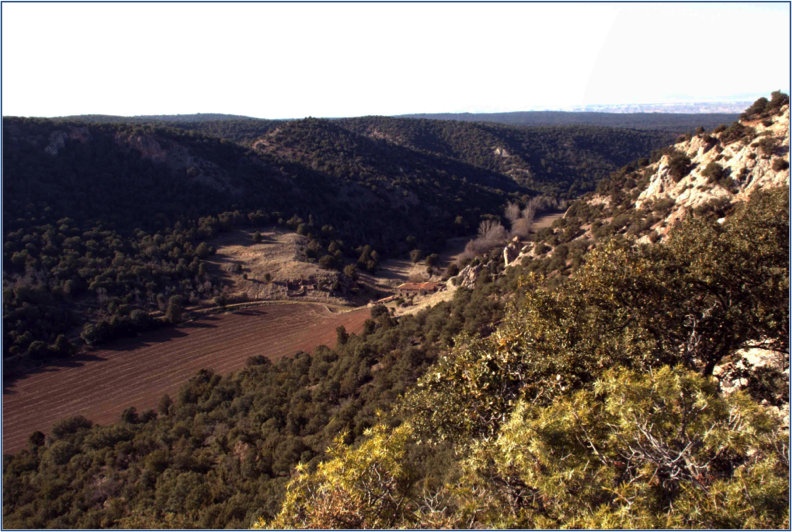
(296, 60)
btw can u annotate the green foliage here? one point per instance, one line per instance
(635, 450)
(355, 488)
(558, 161)
(767, 146)
(451, 271)
(757, 108)
(714, 172)
(70, 425)
(351, 272)
(432, 260)
(658, 450)
(328, 262)
(679, 165)
(104, 223)
(175, 308)
(737, 132)
(242, 435)
(709, 291)
(378, 311)
(762, 107)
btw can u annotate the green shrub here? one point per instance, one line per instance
(679, 165)
(70, 425)
(606, 459)
(61, 452)
(767, 146)
(714, 172)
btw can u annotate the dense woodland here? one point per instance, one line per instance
(592, 404)
(670, 122)
(103, 221)
(562, 162)
(580, 150)
(222, 452)
(106, 222)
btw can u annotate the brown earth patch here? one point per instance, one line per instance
(243, 265)
(137, 372)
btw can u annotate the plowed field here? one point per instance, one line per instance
(137, 372)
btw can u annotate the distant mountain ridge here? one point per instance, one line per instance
(658, 117)
(147, 119)
(629, 119)
(676, 107)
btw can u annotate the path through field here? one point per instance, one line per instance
(139, 371)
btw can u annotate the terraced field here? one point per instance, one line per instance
(137, 372)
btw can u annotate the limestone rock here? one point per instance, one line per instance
(467, 277)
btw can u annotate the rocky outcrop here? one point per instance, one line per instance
(733, 376)
(511, 252)
(57, 139)
(180, 160)
(467, 277)
(748, 164)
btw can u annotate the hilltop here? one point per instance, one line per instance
(562, 161)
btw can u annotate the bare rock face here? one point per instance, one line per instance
(57, 139)
(748, 166)
(180, 160)
(467, 277)
(732, 375)
(511, 252)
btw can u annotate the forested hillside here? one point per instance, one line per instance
(671, 122)
(593, 405)
(102, 221)
(609, 395)
(601, 380)
(105, 219)
(519, 405)
(565, 160)
(220, 453)
(558, 161)
(617, 392)
(239, 129)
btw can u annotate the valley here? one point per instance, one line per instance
(396, 265)
(570, 271)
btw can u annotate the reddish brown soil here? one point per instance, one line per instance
(137, 372)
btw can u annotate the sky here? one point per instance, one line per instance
(331, 60)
